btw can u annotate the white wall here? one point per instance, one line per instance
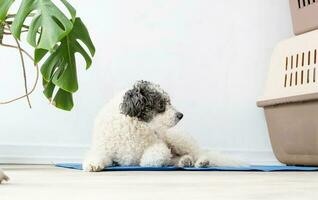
(211, 56)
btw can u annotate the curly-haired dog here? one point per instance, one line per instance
(134, 128)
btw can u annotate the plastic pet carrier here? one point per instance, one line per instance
(304, 15)
(290, 100)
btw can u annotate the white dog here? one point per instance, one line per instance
(3, 177)
(134, 128)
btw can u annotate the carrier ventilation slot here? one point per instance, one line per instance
(297, 76)
(305, 3)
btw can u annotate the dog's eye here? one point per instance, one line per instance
(162, 107)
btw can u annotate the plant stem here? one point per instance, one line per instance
(15, 47)
(6, 27)
(36, 79)
(23, 69)
(24, 73)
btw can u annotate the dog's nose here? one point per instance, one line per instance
(179, 115)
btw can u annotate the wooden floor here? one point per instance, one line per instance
(48, 182)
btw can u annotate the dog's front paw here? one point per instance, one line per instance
(3, 177)
(93, 166)
(185, 161)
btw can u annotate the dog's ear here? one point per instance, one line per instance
(133, 103)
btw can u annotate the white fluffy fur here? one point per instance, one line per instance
(128, 141)
(3, 177)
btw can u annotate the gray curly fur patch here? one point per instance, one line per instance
(144, 101)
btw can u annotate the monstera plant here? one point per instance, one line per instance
(56, 37)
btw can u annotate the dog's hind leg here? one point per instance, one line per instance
(3, 177)
(156, 155)
(182, 144)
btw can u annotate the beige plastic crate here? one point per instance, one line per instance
(290, 100)
(304, 15)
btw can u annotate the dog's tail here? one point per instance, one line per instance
(219, 159)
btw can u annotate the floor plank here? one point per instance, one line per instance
(47, 182)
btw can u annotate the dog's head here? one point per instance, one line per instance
(149, 103)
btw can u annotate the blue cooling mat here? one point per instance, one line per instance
(264, 168)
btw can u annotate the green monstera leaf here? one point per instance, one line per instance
(59, 69)
(48, 21)
(62, 99)
(4, 7)
(54, 37)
